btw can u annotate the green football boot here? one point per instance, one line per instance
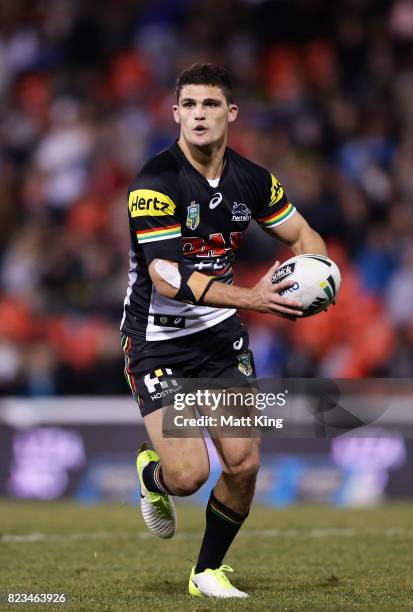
(158, 509)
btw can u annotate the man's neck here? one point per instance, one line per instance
(209, 161)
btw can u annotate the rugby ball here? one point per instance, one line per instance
(317, 281)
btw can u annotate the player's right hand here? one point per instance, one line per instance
(268, 299)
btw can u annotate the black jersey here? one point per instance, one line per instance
(175, 214)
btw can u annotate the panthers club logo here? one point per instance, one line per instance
(240, 212)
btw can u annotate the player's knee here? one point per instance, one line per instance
(186, 482)
(245, 468)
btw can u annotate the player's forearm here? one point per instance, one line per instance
(165, 276)
(309, 241)
(264, 297)
(261, 298)
(221, 295)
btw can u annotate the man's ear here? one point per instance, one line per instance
(175, 110)
(232, 112)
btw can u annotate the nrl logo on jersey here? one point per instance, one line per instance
(240, 212)
(193, 215)
(244, 363)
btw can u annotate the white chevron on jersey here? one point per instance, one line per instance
(197, 318)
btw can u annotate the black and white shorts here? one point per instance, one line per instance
(151, 368)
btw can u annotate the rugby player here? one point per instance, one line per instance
(189, 207)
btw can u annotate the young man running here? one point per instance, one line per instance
(188, 210)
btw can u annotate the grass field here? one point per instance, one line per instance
(301, 558)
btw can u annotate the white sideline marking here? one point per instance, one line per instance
(260, 533)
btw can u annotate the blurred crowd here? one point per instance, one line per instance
(86, 90)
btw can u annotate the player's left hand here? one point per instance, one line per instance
(268, 298)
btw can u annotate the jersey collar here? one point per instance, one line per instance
(180, 155)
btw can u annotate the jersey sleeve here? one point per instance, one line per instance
(154, 219)
(276, 208)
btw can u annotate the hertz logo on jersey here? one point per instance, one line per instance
(277, 191)
(148, 203)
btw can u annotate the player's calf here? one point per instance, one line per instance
(186, 481)
(236, 485)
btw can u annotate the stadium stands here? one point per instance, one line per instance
(85, 97)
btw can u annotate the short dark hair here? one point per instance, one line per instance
(206, 74)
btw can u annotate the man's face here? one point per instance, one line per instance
(203, 114)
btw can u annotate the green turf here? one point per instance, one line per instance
(300, 558)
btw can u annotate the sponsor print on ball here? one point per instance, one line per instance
(317, 281)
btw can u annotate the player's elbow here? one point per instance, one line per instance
(165, 290)
(165, 277)
(309, 241)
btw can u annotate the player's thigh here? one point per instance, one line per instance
(230, 359)
(183, 458)
(152, 371)
(239, 456)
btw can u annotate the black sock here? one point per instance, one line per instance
(153, 478)
(222, 525)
